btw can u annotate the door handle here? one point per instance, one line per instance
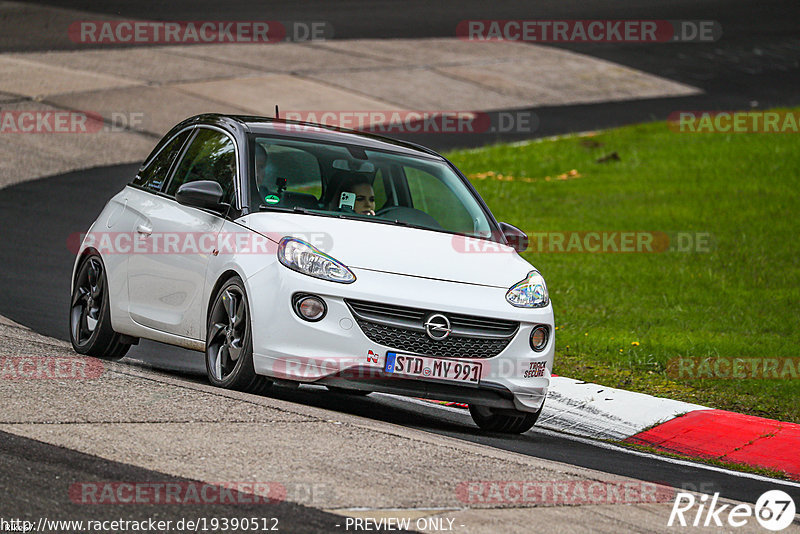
(144, 230)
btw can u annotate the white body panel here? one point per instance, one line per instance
(166, 290)
(165, 297)
(398, 249)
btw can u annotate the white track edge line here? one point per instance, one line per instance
(619, 448)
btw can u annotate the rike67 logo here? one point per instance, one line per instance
(774, 510)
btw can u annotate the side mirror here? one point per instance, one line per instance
(200, 194)
(515, 237)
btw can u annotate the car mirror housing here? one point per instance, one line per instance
(516, 238)
(200, 194)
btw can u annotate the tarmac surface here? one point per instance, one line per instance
(337, 456)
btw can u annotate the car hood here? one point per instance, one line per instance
(397, 249)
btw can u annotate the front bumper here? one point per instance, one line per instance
(335, 351)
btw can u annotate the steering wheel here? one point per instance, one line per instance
(408, 215)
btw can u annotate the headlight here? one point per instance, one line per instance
(530, 293)
(303, 258)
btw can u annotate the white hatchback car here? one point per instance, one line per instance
(297, 253)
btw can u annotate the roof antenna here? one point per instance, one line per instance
(277, 115)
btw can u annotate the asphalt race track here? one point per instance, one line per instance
(756, 64)
(42, 474)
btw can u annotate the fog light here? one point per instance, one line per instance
(539, 338)
(310, 308)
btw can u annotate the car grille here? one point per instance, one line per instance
(403, 329)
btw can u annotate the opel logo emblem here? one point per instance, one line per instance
(437, 327)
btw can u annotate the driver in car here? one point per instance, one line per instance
(360, 186)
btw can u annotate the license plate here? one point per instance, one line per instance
(432, 368)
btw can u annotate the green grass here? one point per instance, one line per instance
(741, 299)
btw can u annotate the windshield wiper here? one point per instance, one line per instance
(398, 222)
(306, 211)
(265, 207)
(299, 209)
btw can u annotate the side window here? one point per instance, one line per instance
(153, 176)
(210, 156)
(431, 195)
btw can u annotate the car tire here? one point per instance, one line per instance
(229, 341)
(90, 314)
(505, 421)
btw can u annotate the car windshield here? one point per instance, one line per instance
(356, 182)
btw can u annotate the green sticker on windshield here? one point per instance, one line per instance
(272, 199)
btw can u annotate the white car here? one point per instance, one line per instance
(296, 253)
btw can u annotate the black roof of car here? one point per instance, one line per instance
(309, 131)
